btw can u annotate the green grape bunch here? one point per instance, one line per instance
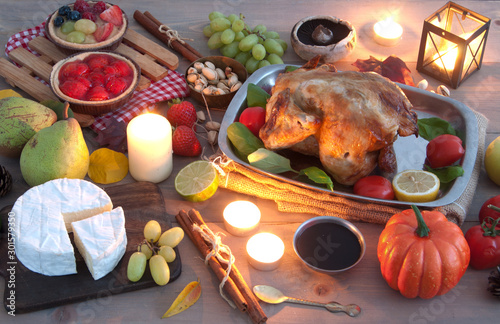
(254, 48)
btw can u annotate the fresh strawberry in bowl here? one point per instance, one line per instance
(95, 83)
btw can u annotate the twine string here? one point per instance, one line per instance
(217, 249)
(172, 35)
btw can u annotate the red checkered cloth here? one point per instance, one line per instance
(170, 87)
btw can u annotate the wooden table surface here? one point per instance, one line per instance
(468, 301)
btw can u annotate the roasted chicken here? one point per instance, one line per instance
(347, 119)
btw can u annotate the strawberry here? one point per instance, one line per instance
(113, 15)
(116, 85)
(74, 88)
(97, 61)
(182, 113)
(102, 32)
(74, 69)
(185, 142)
(122, 68)
(81, 6)
(96, 78)
(97, 93)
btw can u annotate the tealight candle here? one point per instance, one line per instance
(387, 32)
(241, 217)
(149, 140)
(265, 251)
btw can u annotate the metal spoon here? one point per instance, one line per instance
(272, 295)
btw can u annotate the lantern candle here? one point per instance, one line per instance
(387, 32)
(149, 140)
(241, 217)
(265, 251)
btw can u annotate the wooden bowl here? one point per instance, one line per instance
(69, 48)
(217, 101)
(95, 108)
(340, 43)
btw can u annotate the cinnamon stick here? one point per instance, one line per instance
(229, 286)
(254, 310)
(157, 22)
(151, 27)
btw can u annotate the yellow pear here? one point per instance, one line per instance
(58, 151)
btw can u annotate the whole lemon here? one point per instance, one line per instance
(492, 160)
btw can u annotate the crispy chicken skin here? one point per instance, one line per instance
(347, 119)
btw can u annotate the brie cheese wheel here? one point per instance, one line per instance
(101, 240)
(43, 216)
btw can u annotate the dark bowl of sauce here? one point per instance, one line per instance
(329, 244)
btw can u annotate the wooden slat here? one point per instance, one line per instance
(151, 69)
(45, 47)
(147, 46)
(23, 80)
(144, 83)
(24, 57)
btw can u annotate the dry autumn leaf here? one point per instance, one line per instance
(107, 166)
(188, 296)
(392, 68)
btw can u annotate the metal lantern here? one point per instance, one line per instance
(452, 44)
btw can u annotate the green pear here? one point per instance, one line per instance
(55, 152)
(20, 119)
(58, 107)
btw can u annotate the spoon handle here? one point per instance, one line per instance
(351, 309)
(304, 302)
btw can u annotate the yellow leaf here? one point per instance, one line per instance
(188, 296)
(9, 93)
(107, 166)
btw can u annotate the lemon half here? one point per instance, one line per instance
(416, 186)
(197, 181)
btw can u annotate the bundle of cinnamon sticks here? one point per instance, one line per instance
(152, 25)
(235, 286)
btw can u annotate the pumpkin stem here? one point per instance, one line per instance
(422, 229)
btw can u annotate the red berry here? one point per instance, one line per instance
(109, 70)
(122, 68)
(102, 32)
(97, 61)
(182, 113)
(99, 7)
(88, 15)
(97, 93)
(81, 6)
(74, 69)
(185, 142)
(96, 78)
(113, 15)
(116, 85)
(74, 89)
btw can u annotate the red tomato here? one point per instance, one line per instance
(444, 150)
(484, 243)
(253, 118)
(486, 212)
(374, 186)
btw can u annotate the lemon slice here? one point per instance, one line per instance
(416, 186)
(197, 181)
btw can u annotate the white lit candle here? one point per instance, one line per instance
(241, 217)
(387, 32)
(265, 251)
(149, 140)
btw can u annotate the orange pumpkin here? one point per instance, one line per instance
(422, 253)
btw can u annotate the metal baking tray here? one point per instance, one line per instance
(410, 151)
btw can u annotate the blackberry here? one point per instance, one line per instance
(58, 21)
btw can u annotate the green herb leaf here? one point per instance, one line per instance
(291, 68)
(317, 175)
(432, 127)
(270, 161)
(256, 96)
(447, 174)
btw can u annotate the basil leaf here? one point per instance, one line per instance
(447, 174)
(432, 127)
(317, 175)
(256, 96)
(269, 161)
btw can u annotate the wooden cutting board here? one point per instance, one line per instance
(141, 202)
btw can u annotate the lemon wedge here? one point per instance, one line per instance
(197, 181)
(416, 186)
